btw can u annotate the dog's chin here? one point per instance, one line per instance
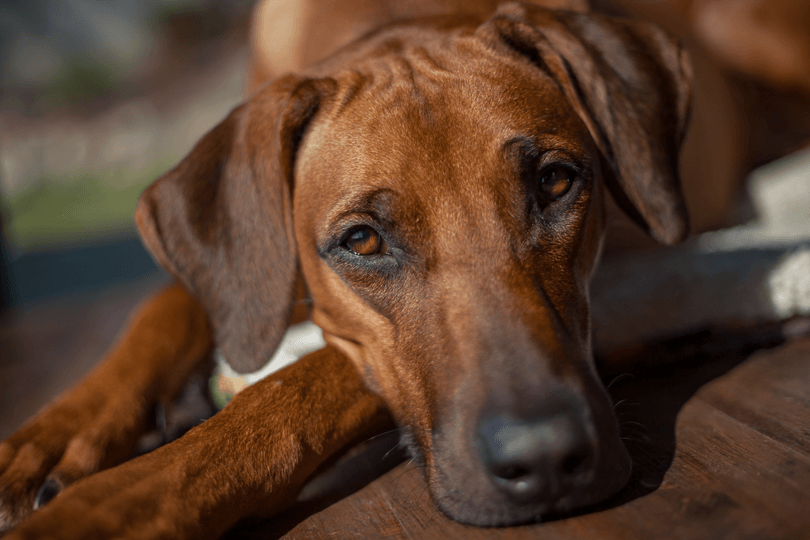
(473, 500)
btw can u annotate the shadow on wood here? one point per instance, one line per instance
(646, 403)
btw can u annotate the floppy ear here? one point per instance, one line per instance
(630, 82)
(221, 221)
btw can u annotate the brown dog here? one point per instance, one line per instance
(438, 190)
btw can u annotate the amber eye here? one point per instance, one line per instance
(365, 241)
(556, 182)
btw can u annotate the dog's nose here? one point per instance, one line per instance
(541, 459)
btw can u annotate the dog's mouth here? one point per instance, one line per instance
(513, 471)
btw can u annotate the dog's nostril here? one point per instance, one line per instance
(575, 462)
(511, 473)
(537, 460)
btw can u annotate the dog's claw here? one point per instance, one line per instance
(53, 451)
(50, 489)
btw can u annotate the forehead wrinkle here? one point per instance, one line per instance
(506, 93)
(403, 133)
(428, 159)
(381, 203)
(453, 162)
(412, 71)
(432, 140)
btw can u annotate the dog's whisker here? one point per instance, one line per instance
(618, 378)
(382, 434)
(396, 482)
(415, 487)
(424, 488)
(391, 450)
(640, 439)
(625, 402)
(632, 439)
(618, 403)
(632, 423)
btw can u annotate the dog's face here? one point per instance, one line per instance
(442, 194)
(449, 254)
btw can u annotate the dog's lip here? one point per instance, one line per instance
(511, 514)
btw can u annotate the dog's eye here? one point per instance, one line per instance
(365, 241)
(556, 182)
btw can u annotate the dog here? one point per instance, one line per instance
(436, 194)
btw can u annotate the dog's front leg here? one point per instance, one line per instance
(247, 461)
(97, 423)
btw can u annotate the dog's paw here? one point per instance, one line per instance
(164, 494)
(65, 443)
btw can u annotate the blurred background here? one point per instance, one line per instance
(97, 99)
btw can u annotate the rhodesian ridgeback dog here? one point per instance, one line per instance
(436, 191)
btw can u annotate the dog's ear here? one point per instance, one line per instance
(221, 221)
(631, 84)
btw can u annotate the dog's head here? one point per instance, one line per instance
(440, 188)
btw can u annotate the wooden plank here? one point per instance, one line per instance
(47, 347)
(770, 394)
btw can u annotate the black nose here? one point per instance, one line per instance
(541, 459)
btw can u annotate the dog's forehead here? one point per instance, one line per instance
(435, 88)
(429, 115)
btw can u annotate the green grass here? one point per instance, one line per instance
(79, 208)
(83, 79)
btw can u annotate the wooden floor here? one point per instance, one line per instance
(720, 444)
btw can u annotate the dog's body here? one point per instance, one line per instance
(438, 190)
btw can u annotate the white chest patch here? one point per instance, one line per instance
(300, 339)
